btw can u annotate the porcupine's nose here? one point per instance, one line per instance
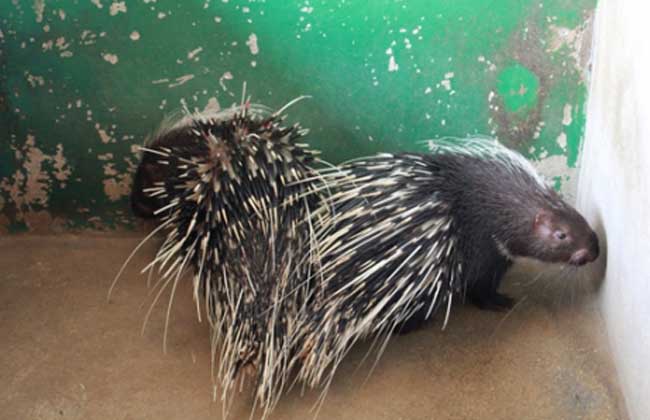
(579, 257)
(583, 256)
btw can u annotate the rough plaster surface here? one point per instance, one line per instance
(614, 187)
(68, 354)
(80, 81)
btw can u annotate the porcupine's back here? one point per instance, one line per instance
(410, 233)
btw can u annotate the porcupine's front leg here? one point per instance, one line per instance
(484, 293)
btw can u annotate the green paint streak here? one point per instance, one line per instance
(518, 86)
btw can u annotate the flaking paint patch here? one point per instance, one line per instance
(392, 64)
(446, 82)
(103, 135)
(62, 170)
(577, 40)
(117, 7)
(226, 76)
(117, 184)
(116, 188)
(194, 53)
(39, 9)
(30, 185)
(88, 37)
(135, 35)
(34, 80)
(252, 44)
(97, 3)
(105, 156)
(555, 166)
(109, 169)
(181, 80)
(212, 105)
(36, 185)
(111, 58)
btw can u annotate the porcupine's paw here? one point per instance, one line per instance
(493, 302)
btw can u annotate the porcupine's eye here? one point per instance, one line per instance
(559, 235)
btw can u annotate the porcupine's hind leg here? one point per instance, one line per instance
(484, 292)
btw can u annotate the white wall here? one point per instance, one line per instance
(614, 186)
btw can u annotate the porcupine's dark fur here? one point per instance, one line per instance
(233, 190)
(413, 231)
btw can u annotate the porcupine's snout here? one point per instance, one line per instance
(587, 254)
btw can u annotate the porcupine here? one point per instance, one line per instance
(411, 233)
(233, 190)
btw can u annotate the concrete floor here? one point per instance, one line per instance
(68, 354)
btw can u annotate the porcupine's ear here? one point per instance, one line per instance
(543, 224)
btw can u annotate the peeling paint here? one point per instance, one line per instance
(103, 135)
(392, 65)
(252, 44)
(556, 167)
(117, 7)
(29, 186)
(577, 40)
(105, 156)
(181, 80)
(212, 105)
(135, 35)
(118, 187)
(97, 3)
(446, 82)
(194, 53)
(39, 9)
(111, 58)
(62, 171)
(36, 186)
(88, 37)
(33, 80)
(226, 76)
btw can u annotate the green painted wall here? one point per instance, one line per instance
(82, 82)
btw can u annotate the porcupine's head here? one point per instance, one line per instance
(559, 234)
(500, 194)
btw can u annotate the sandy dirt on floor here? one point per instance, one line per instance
(68, 354)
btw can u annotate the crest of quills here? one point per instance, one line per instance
(294, 260)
